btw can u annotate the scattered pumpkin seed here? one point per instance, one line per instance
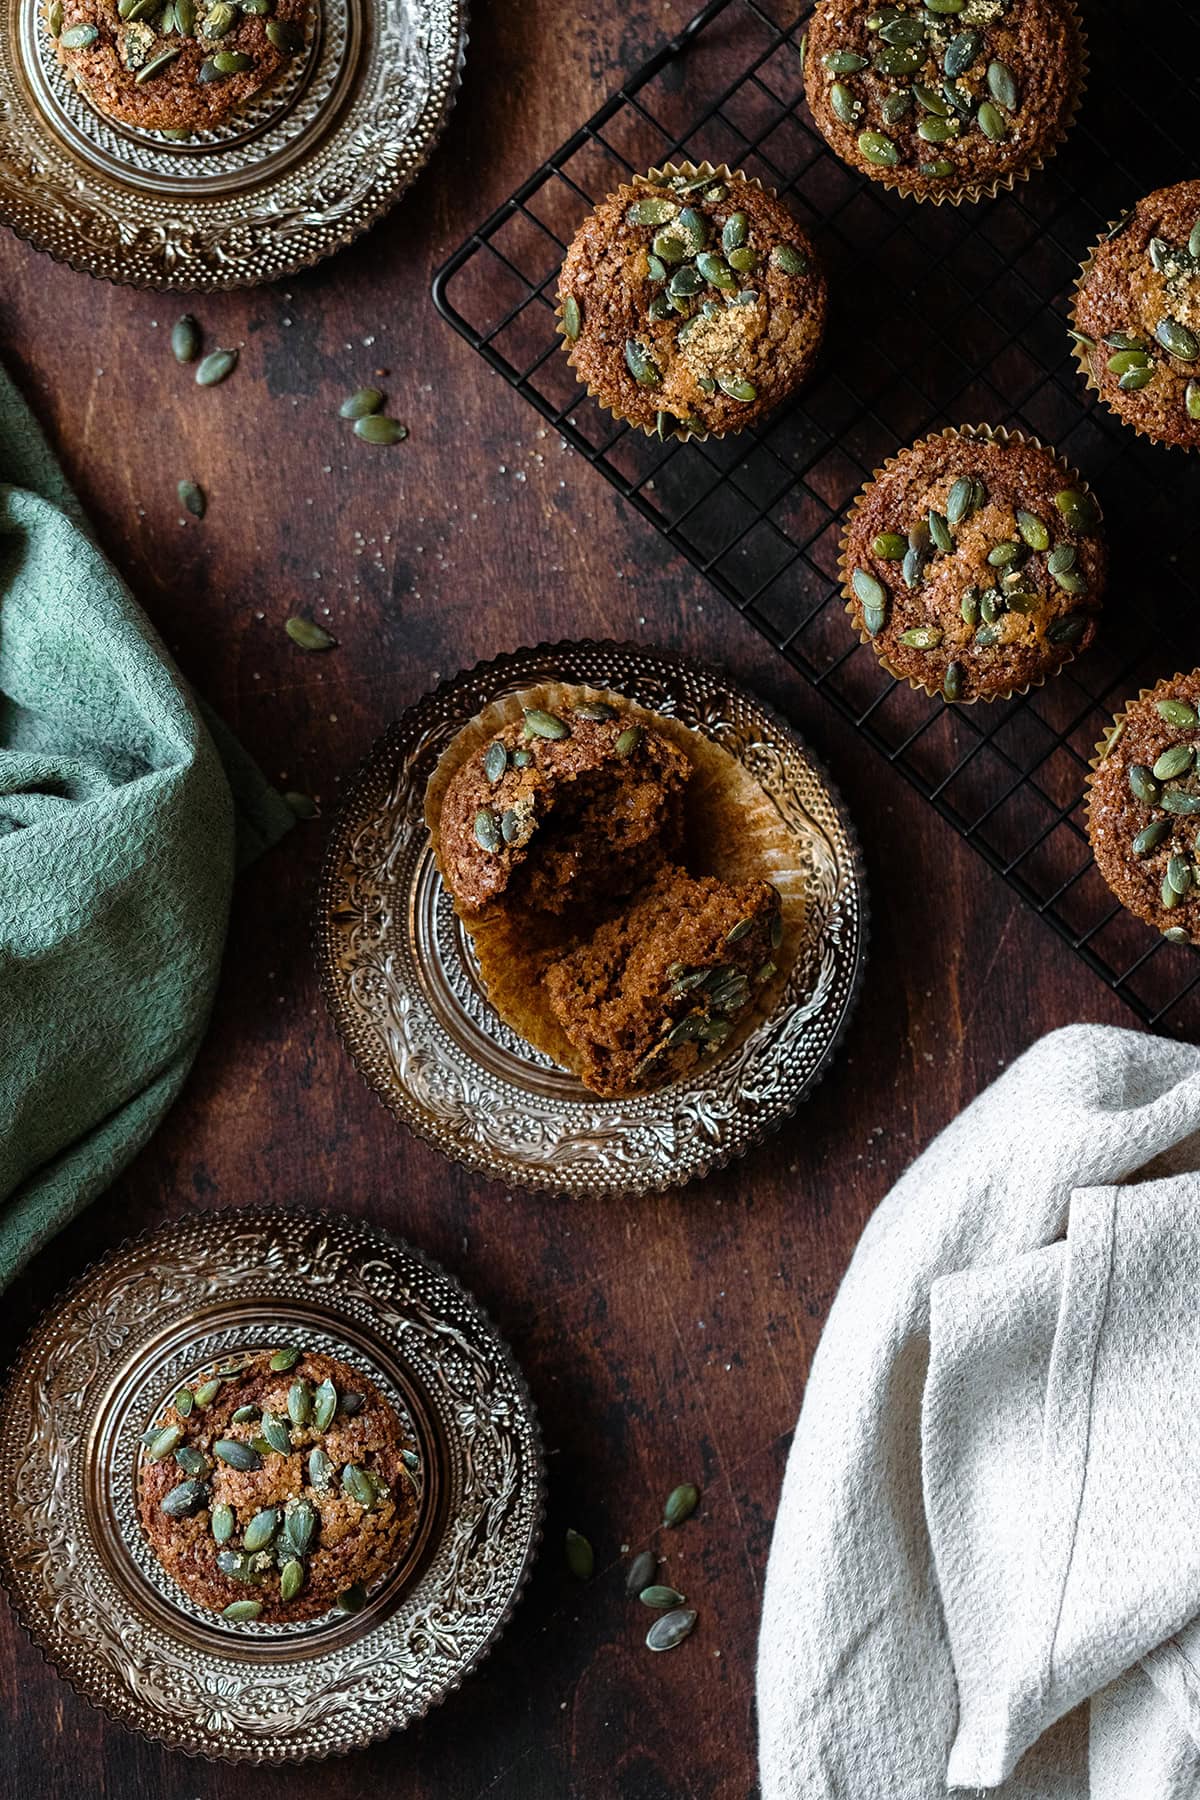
(1034, 531)
(921, 637)
(1178, 340)
(1060, 559)
(581, 1560)
(1078, 509)
(843, 103)
(662, 1599)
(241, 1612)
(1151, 836)
(1068, 629)
(261, 1529)
(1168, 895)
(1176, 934)
(868, 589)
(1002, 554)
(285, 1358)
(377, 428)
(681, 1503)
(641, 1572)
(222, 1522)
(361, 403)
(184, 1500)
(1178, 712)
(1002, 85)
(184, 1402)
(937, 131)
(1175, 760)
(358, 1484)
(487, 830)
(896, 106)
(992, 122)
(207, 1392)
(913, 566)
(164, 1443)
(320, 1468)
(193, 1461)
(1179, 874)
(1191, 399)
(572, 318)
(628, 741)
(1122, 361)
(185, 17)
(350, 1403)
(1143, 786)
(1071, 581)
(308, 635)
(185, 339)
(287, 37)
(217, 366)
(544, 724)
(939, 531)
(495, 761)
(889, 546)
(987, 636)
(788, 260)
(961, 52)
(353, 1599)
(958, 505)
(952, 681)
(324, 1406)
(843, 62)
(1133, 379)
(224, 64)
(670, 1629)
(878, 148)
(54, 19)
(1176, 800)
(191, 494)
(291, 1579)
(903, 29)
(652, 209)
(899, 61)
(737, 932)
(238, 1455)
(300, 1403)
(79, 37)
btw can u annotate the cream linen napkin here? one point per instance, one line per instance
(985, 1573)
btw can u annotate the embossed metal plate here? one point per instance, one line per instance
(98, 1369)
(404, 991)
(292, 178)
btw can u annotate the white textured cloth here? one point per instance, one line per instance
(985, 1572)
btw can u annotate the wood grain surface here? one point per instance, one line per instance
(665, 1339)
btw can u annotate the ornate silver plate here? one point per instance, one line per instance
(293, 178)
(402, 985)
(99, 1367)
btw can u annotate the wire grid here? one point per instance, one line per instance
(939, 315)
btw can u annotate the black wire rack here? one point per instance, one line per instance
(939, 315)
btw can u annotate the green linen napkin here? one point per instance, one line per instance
(121, 821)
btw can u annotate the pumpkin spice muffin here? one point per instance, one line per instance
(691, 302)
(1144, 807)
(657, 990)
(974, 565)
(950, 99)
(560, 810)
(278, 1485)
(177, 66)
(1137, 316)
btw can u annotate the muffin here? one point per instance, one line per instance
(179, 67)
(658, 989)
(951, 100)
(691, 302)
(278, 1485)
(1144, 807)
(974, 564)
(616, 853)
(554, 811)
(1136, 316)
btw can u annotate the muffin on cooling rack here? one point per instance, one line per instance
(1136, 316)
(176, 66)
(974, 563)
(1144, 807)
(948, 100)
(691, 302)
(278, 1485)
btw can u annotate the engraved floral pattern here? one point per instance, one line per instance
(70, 1546)
(408, 1002)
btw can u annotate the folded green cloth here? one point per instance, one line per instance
(119, 834)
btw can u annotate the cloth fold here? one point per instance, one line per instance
(118, 839)
(985, 1573)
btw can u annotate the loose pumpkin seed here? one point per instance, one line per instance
(903, 29)
(937, 131)
(641, 1572)
(350, 1403)
(236, 1454)
(992, 122)
(164, 1443)
(487, 830)
(843, 103)
(661, 1598)
(185, 17)
(652, 209)
(1175, 760)
(291, 1579)
(300, 1403)
(692, 228)
(358, 1484)
(1122, 361)
(913, 566)
(1068, 629)
(1078, 509)
(222, 1522)
(1151, 836)
(1191, 399)
(1060, 559)
(1179, 874)
(495, 761)
(184, 1500)
(987, 636)
(79, 37)
(285, 1359)
(1002, 85)
(377, 428)
(1178, 340)
(1168, 895)
(890, 546)
(1071, 582)
(320, 1468)
(843, 62)
(1175, 800)
(299, 1526)
(895, 107)
(1143, 786)
(286, 36)
(969, 606)
(184, 1402)
(899, 61)
(716, 271)
(952, 681)
(1034, 531)
(738, 388)
(935, 170)
(185, 339)
(1002, 554)
(1125, 340)
(361, 403)
(958, 504)
(219, 18)
(878, 148)
(235, 1564)
(261, 1529)
(737, 932)
(874, 619)
(921, 637)
(961, 52)
(217, 366)
(207, 1392)
(241, 1612)
(670, 1629)
(324, 1406)
(157, 64)
(510, 826)
(545, 725)
(931, 100)
(1133, 379)
(353, 1599)
(870, 591)
(308, 635)
(1177, 712)
(1193, 243)
(572, 318)
(789, 260)
(224, 64)
(580, 1557)
(736, 232)
(193, 1461)
(54, 19)
(939, 531)
(191, 494)
(681, 1503)
(1175, 934)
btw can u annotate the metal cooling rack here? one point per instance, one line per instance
(939, 316)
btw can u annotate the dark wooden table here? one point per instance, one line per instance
(664, 1339)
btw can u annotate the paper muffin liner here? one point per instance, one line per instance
(997, 434)
(1103, 750)
(901, 182)
(664, 172)
(732, 831)
(1083, 356)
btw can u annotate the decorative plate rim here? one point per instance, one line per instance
(209, 282)
(282, 1215)
(523, 1177)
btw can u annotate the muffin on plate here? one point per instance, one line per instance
(1144, 807)
(605, 886)
(278, 1485)
(691, 302)
(175, 66)
(974, 563)
(1136, 316)
(950, 100)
